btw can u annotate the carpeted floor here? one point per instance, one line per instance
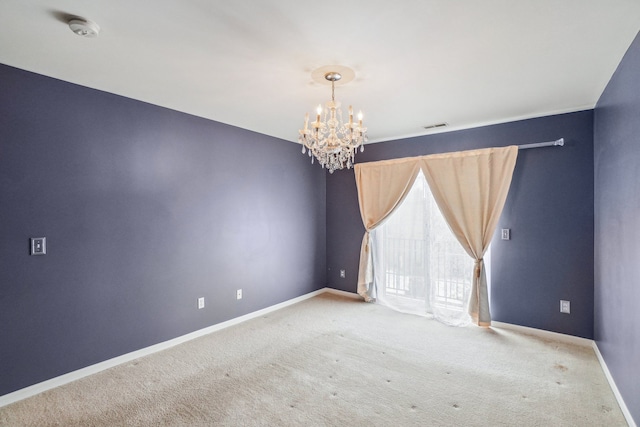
(334, 361)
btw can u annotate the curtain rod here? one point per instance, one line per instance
(559, 142)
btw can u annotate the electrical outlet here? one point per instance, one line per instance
(200, 303)
(239, 294)
(565, 306)
(343, 274)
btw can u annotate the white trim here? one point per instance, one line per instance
(98, 367)
(343, 293)
(570, 339)
(474, 125)
(614, 388)
(584, 342)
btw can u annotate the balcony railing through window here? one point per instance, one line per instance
(411, 265)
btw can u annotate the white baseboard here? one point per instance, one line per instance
(343, 293)
(556, 336)
(98, 367)
(584, 342)
(614, 387)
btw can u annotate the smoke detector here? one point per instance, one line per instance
(84, 28)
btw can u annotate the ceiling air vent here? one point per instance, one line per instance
(437, 125)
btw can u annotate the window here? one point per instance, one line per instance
(420, 267)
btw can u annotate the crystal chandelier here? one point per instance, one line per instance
(330, 140)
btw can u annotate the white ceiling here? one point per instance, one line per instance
(249, 63)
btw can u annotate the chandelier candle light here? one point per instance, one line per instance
(330, 140)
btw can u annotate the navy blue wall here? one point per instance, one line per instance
(617, 227)
(549, 211)
(144, 210)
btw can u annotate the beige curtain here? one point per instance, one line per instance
(470, 188)
(381, 188)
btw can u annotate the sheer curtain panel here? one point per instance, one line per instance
(470, 189)
(381, 188)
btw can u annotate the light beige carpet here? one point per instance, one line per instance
(334, 361)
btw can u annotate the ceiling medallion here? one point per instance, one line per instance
(330, 140)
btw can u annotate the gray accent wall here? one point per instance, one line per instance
(617, 227)
(549, 210)
(145, 210)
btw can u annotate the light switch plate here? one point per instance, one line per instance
(506, 234)
(38, 246)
